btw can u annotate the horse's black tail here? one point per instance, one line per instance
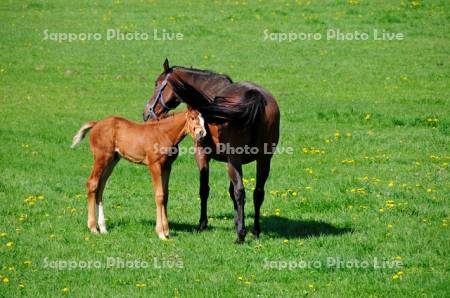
(239, 110)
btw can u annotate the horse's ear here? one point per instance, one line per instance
(166, 65)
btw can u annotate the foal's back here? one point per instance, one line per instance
(116, 134)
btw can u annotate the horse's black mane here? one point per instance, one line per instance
(205, 72)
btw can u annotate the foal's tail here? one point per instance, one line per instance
(82, 133)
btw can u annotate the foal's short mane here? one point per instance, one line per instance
(205, 72)
(164, 117)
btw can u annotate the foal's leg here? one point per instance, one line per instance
(235, 174)
(262, 172)
(203, 166)
(165, 175)
(155, 171)
(100, 162)
(99, 196)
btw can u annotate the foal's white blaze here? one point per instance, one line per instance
(202, 123)
(101, 218)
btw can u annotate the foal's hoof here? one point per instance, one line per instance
(202, 226)
(94, 231)
(103, 230)
(163, 236)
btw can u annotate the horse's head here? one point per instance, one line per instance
(163, 98)
(195, 124)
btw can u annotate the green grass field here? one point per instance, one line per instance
(368, 121)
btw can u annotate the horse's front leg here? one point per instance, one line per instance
(203, 166)
(235, 174)
(155, 171)
(166, 169)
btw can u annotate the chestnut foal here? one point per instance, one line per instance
(149, 143)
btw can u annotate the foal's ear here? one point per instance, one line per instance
(166, 65)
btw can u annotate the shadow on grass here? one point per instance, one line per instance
(174, 226)
(273, 226)
(288, 228)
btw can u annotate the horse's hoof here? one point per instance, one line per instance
(256, 233)
(103, 230)
(94, 230)
(202, 226)
(239, 241)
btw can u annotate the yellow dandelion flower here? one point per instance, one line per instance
(28, 263)
(395, 277)
(2, 234)
(65, 290)
(429, 190)
(398, 258)
(337, 135)
(141, 285)
(5, 280)
(348, 161)
(389, 226)
(21, 286)
(240, 278)
(285, 241)
(9, 244)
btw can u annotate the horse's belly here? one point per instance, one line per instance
(136, 157)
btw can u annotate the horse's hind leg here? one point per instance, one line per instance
(99, 195)
(262, 172)
(235, 174)
(231, 192)
(100, 162)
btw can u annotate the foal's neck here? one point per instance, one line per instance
(173, 127)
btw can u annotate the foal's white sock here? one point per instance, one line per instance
(101, 218)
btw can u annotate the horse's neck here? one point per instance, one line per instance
(174, 127)
(210, 84)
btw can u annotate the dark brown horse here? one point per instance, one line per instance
(243, 124)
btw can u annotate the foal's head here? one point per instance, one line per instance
(195, 124)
